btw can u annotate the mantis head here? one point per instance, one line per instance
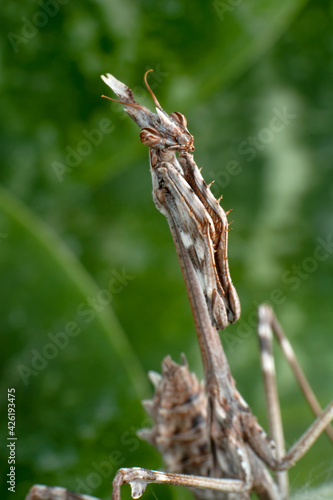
(159, 130)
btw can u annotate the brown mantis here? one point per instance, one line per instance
(177, 182)
(235, 447)
(194, 232)
(209, 438)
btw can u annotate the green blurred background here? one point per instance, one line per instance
(77, 218)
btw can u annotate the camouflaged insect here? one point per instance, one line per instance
(197, 222)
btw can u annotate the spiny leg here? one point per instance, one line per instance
(258, 442)
(271, 393)
(298, 372)
(267, 324)
(139, 478)
(304, 443)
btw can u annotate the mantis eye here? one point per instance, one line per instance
(149, 136)
(179, 118)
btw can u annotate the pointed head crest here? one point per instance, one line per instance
(158, 131)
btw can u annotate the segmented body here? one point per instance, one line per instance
(197, 435)
(179, 410)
